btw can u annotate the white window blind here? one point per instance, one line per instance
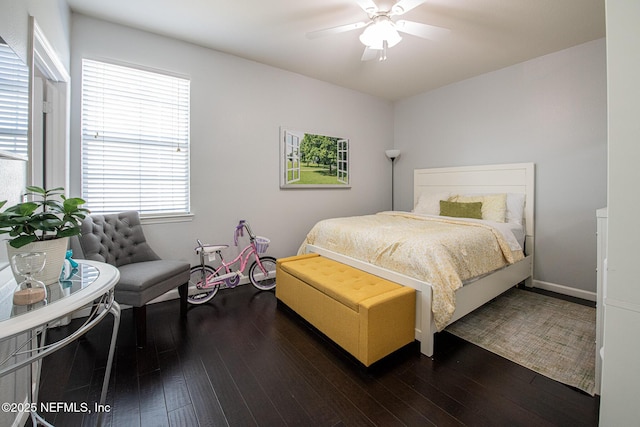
(14, 102)
(135, 140)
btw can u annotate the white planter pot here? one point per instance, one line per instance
(56, 251)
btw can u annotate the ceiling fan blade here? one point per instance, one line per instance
(336, 30)
(369, 54)
(368, 6)
(404, 6)
(430, 32)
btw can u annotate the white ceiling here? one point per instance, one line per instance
(485, 35)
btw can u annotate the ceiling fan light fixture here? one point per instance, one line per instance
(380, 31)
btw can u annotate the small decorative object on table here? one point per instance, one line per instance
(69, 267)
(30, 290)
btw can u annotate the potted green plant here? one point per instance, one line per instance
(43, 224)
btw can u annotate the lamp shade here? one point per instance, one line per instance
(378, 32)
(392, 154)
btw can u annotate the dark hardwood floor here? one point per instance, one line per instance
(241, 360)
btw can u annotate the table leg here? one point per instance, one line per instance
(34, 385)
(115, 310)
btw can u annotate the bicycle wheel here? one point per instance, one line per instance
(200, 296)
(262, 281)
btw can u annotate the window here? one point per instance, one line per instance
(135, 140)
(14, 102)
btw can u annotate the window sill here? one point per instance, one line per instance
(165, 218)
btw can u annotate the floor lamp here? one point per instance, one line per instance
(393, 155)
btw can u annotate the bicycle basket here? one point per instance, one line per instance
(262, 244)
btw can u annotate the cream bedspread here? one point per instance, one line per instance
(441, 252)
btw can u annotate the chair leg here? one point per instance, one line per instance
(183, 290)
(140, 318)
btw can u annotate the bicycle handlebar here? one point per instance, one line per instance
(240, 231)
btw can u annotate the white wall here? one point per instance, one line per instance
(237, 107)
(550, 110)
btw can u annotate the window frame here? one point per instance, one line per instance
(149, 143)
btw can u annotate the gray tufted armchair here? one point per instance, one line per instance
(117, 239)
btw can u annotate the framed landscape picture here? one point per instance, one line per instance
(309, 160)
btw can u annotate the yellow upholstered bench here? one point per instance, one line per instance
(366, 315)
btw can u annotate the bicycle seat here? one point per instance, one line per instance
(207, 249)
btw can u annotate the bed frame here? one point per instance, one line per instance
(508, 178)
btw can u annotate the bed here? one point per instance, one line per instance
(474, 287)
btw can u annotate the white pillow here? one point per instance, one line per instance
(429, 203)
(494, 206)
(515, 208)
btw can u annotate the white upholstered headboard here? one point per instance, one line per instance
(509, 178)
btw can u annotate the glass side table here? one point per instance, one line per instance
(90, 286)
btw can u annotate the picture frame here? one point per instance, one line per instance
(312, 160)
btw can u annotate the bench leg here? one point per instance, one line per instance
(183, 290)
(140, 319)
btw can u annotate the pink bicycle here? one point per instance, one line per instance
(207, 279)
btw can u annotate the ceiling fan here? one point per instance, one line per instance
(381, 30)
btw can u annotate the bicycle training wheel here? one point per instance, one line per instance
(200, 296)
(262, 281)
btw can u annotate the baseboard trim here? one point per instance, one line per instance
(565, 290)
(553, 287)
(173, 294)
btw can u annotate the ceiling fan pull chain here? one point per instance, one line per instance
(383, 52)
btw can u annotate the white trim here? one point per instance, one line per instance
(624, 305)
(565, 290)
(163, 219)
(137, 66)
(44, 58)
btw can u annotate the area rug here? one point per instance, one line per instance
(552, 337)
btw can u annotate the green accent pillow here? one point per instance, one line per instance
(461, 210)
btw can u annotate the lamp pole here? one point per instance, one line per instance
(393, 161)
(392, 155)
